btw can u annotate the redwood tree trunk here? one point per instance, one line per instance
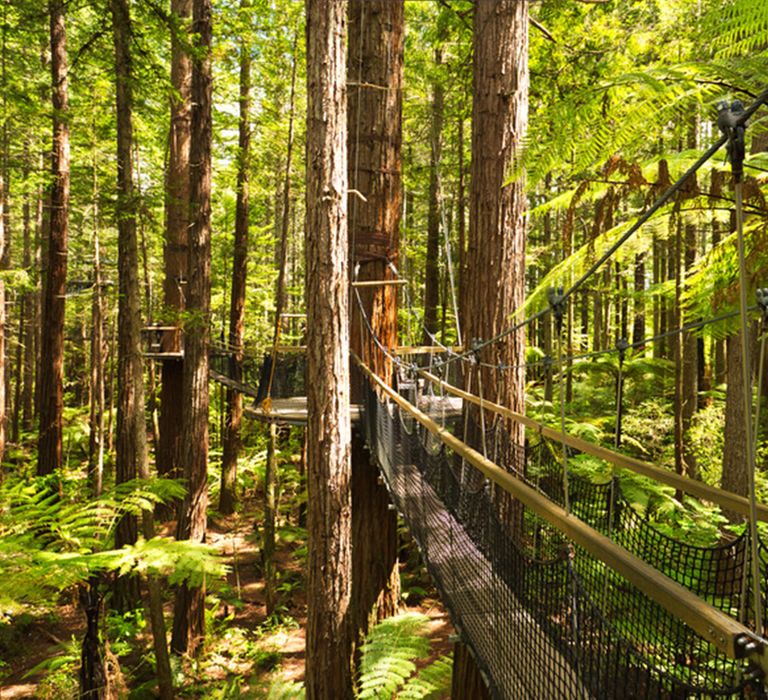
(176, 235)
(50, 390)
(496, 255)
(189, 609)
(432, 272)
(234, 417)
(329, 638)
(130, 447)
(376, 35)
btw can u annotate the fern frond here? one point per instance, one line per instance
(388, 654)
(740, 28)
(433, 681)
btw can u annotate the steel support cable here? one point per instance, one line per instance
(726, 634)
(641, 221)
(724, 499)
(692, 325)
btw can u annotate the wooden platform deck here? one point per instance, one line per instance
(293, 410)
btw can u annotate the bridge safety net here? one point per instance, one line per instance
(543, 618)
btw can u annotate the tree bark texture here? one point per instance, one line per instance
(234, 416)
(376, 42)
(329, 638)
(176, 238)
(131, 447)
(432, 269)
(189, 610)
(96, 416)
(735, 455)
(496, 253)
(375, 570)
(50, 389)
(496, 249)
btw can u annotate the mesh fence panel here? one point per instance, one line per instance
(543, 617)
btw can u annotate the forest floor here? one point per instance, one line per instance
(248, 653)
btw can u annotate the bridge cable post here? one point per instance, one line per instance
(557, 300)
(731, 120)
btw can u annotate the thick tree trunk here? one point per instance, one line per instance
(376, 36)
(131, 448)
(168, 455)
(375, 570)
(234, 415)
(189, 610)
(96, 418)
(496, 254)
(495, 260)
(432, 271)
(329, 635)
(50, 389)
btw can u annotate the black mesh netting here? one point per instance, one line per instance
(543, 617)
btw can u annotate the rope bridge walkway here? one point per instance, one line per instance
(557, 584)
(597, 603)
(594, 603)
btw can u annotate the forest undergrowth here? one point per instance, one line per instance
(249, 652)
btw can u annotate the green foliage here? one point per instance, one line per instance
(49, 542)
(59, 681)
(433, 681)
(388, 659)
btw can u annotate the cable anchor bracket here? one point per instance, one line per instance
(762, 304)
(622, 346)
(557, 301)
(476, 346)
(732, 123)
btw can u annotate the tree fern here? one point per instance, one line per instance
(49, 543)
(433, 681)
(740, 28)
(388, 657)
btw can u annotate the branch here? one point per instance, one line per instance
(543, 29)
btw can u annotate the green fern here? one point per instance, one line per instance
(388, 657)
(49, 542)
(433, 681)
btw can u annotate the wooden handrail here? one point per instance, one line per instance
(725, 633)
(725, 499)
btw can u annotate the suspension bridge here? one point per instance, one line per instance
(559, 587)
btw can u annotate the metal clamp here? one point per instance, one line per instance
(730, 120)
(476, 346)
(762, 303)
(557, 303)
(622, 346)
